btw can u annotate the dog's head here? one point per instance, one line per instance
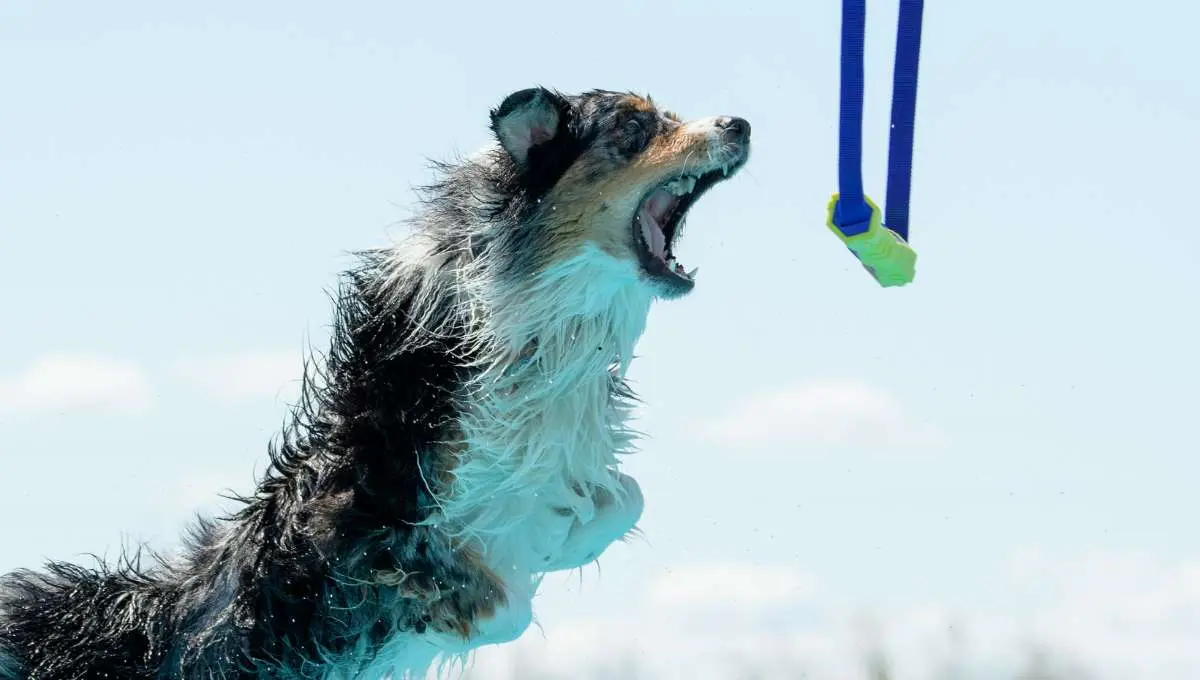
(613, 170)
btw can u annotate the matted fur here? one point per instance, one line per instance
(460, 439)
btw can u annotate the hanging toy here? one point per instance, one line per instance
(878, 239)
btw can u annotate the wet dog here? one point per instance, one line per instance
(460, 439)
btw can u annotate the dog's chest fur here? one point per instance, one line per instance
(542, 424)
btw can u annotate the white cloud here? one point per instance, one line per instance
(245, 376)
(830, 413)
(75, 381)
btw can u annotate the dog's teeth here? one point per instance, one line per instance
(681, 186)
(692, 274)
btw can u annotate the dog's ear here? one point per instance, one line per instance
(529, 122)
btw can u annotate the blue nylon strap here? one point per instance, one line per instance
(852, 214)
(904, 109)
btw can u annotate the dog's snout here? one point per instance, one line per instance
(737, 129)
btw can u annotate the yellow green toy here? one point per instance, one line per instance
(883, 253)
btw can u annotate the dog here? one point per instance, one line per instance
(460, 438)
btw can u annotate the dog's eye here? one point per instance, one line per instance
(634, 135)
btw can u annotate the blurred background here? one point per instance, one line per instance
(990, 473)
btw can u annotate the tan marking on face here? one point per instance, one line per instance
(590, 204)
(667, 153)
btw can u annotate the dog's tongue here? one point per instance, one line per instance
(654, 212)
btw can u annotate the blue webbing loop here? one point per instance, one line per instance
(852, 214)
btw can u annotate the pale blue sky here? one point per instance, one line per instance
(178, 187)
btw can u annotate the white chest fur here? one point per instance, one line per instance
(542, 424)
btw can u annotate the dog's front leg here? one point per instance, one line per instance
(613, 519)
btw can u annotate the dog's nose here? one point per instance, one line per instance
(737, 129)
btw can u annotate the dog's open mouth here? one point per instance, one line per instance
(659, 222)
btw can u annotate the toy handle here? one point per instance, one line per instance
(882, 252)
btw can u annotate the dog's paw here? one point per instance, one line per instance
(508, 621)
(500, 623)
(488, 610)
(462, 598)
(553, 529)
(613, 518)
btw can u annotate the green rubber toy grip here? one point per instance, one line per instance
(886, 256)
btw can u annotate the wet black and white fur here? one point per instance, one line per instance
(459, 440)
